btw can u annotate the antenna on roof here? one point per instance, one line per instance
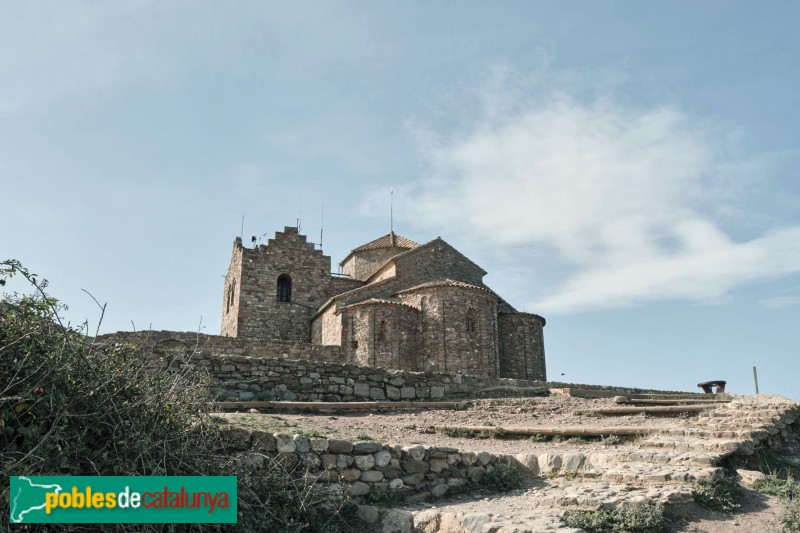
(300, 212)
(391, 210)
(241, 233)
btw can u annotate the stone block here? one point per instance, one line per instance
(416, 453)
(476, 473)
(285, 443)
(529, 462)
(572, 462)
(343, 460)
(376, 393)
(439, 490)
(396, 484)
(382, 458)
(484, 458)
(328, 461)
(393, 393)
(310, 460)
(319, 445)
(367, 514)
(340, 446)
(549, 462)
(408, 393)
(371, 476)
(366, 446)
(302, 444)
(351, 474)
(359, 488)
(364, 462)
(415, 467)
(438, 465)
(469, 458)
(361, 389)
(396, 521)
(437, 392)
(263, 441)
(414, 481)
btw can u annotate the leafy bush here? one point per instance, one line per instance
(640, 517)
(69, 406)
(502, 478)
(787, 489)
(791, 516)
(718, 494)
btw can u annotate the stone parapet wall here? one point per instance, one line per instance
(247, 369)
(164, 345)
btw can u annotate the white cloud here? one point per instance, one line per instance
(622, 199)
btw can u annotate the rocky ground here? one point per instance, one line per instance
(573, 473)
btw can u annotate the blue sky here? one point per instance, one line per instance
(626, 169)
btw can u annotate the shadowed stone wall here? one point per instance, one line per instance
(521, 339)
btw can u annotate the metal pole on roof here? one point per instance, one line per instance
(391, 210)
(755, 378)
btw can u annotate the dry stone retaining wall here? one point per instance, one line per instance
(411, 473)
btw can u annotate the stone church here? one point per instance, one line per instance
(397, 304)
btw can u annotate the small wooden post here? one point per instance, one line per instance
(755, 378)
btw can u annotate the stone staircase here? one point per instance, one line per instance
(661, 467)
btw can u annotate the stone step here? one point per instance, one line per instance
(722, 446)
(707, 433)
(538, 508)
(662, 457)
(644, 473)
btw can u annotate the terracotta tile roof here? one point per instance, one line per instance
(447, 283)
(390, 240)
(377, 301)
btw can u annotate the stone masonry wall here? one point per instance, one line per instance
(361, 265)
(246, 369)
(521, 346)
(164, 346)
(381, 335)
(436, 260)
(448, 345)
(411, 473)
(261, 315)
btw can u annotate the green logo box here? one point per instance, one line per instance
(123, 499)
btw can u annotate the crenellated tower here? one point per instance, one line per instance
(273, 290)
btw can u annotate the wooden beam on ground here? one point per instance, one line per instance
(339, 406)
(553, 432)
(689, 408)
(677, 401)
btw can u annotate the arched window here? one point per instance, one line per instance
(284, 293)
(470, 320)
(382, 331)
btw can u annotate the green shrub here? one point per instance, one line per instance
(788, 489)
(458, 433)
(791, 516)
(641, 517)
(69, 406)
(718, 494)
(502, 478)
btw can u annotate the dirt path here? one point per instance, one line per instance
(759, 513)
